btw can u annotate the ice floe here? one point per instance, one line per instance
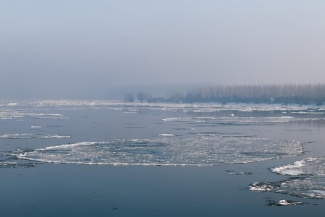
(306, 179)
(168, 151)
(283, 203)
(32, 136)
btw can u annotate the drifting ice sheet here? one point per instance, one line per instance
(168, 151)
(307, 179)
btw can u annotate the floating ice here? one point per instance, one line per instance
(32, 136)
(307, 181)
(35, 127)
(168, 151)
(48, 116)
(12, 104)
(8, 114)
(235, 120)
(222, 114)
(308, 166)
(52, 136)
(231, 172)
(292, 170)
(283, 203)
(166, 134)
(197, 108)
(298, 187)
(9, 160)
(17, 136)
(263, 186)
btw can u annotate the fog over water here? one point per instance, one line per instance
(83, 49)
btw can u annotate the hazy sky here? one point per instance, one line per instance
(75, 46)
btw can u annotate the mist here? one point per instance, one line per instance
(86, 49)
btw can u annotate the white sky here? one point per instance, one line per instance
(70, 46)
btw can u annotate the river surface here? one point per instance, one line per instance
(105, 158)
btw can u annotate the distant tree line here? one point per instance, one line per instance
(281, 94)
(140, 96)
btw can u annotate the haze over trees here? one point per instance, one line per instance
(281, 94)
(129, 97)
(142, 96)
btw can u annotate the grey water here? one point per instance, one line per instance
(104, 158)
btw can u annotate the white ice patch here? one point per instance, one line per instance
(167, 151)
(12, 104)
(17, 136)
(232, 120)
(316, 193)
(53, 136)
(48, 116)
(35, 127)
(308, 179)
(308, 166)
(292, 170)
(287, 203)
(12, 113)
(283, 203)
(166, 134)
(181, 119)
(32, 136)
(256, 186)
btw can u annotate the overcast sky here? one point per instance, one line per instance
(75, 46)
